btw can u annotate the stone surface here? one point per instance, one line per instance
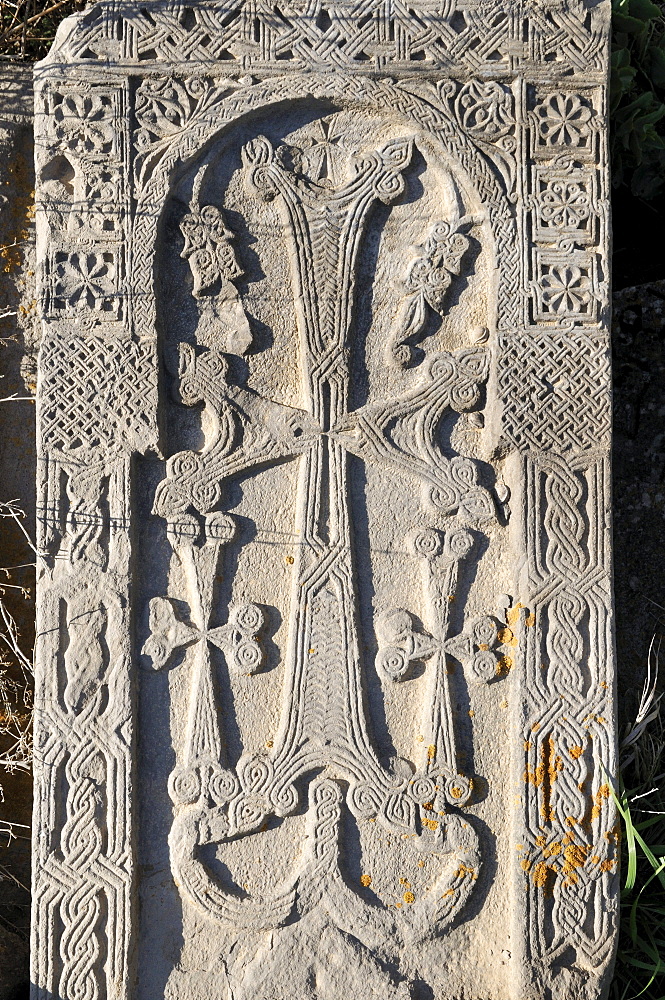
(325, 664)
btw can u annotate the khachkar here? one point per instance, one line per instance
(325, 680)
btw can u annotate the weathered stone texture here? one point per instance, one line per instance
(325, 663)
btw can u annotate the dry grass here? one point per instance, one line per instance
(28, 27)
(640, 798)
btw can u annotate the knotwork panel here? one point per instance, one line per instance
(325, 685)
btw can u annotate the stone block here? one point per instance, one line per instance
(325, 660)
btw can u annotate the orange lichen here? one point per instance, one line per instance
(365, 880)
(504, 664)
(507, 637)
(543, 877)
(545, 775)
(513, 614)
(574, 856)
(431, 752)
(408, 897)
(576, 752)
(602, 793)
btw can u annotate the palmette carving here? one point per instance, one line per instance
(442, 172)
(427, 281)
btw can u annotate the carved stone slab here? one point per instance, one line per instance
(325, 664)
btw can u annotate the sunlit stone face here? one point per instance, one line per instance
(325, 678)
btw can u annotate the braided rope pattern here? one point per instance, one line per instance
(352, 37)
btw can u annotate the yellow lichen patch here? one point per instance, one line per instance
(602, 793)
(405, 881)
(513, 614)
(505, 664)
(431, 824)
(471, 713)
(519, 847)
(507, 637)
(543, 877)
(269, 744)
(428, 805)
(421, 864)
(431, 752)
(526, 864)
(541, 841)
(607, 866)
(408, 897)
(449, 892)
(527, 745)
(464, 870)
(456, 792)
(576, 752)
(574, 856)
(545, 775)
(530, 620)
(451, 597)
(289, 560)
(483, 646)
(365, 880)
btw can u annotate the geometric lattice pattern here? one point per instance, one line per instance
(551, 402)
(97, 394)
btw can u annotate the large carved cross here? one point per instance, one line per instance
(322, 724)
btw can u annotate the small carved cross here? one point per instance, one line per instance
(236, 639)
